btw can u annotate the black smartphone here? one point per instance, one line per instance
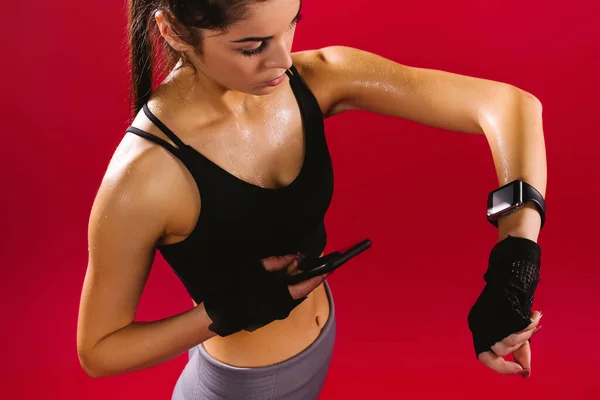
(312, 263)
(327, 263)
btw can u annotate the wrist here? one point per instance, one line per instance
(206, 321)
(524, 223)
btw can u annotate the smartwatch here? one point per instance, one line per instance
(512, 197)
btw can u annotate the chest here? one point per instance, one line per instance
(269, 169)
(265, 148)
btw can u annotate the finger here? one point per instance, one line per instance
(535, 317)
(276, 263)
(301, 257)
(523, 357)
(515, 339)
(499, 364)
(502, 350)
(303, 288)
(293, 268)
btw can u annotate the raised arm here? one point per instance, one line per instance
(509, 117)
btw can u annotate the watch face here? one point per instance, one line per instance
(504, 200)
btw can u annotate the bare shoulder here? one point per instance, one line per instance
(144, 183)
(336, 73)
(318, 68)
(132, 181)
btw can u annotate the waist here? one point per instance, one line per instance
(279, 340)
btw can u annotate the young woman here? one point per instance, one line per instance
(225, 170)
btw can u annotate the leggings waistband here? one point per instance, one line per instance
(311, 352)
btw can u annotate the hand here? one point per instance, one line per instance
(518, 345)
(290, 264)
(256, 293)
(501, 320)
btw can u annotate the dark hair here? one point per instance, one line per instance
(186, 17)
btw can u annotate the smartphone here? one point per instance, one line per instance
(327, 263)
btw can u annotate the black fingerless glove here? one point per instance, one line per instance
(504, 305)
(249, 298)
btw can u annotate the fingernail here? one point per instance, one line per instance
(523, 372)
(540, 317)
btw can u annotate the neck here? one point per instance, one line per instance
(194, 88)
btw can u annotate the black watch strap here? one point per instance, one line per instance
(532, 194)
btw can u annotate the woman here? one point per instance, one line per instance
(226, 171)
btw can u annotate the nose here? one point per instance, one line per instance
(280, 56)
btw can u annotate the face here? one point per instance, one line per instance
(253, 51)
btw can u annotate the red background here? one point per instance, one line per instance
(419, 193)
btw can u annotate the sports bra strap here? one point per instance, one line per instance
(162, 127)
(174, 150)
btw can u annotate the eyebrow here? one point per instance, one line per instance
(264, 39)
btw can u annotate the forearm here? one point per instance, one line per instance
(146, 344)
(513, 126)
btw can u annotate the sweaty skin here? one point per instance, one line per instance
(263, 145)
(254, 132)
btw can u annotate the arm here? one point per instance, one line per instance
(124, 228)
(514, 131)
(510, 118)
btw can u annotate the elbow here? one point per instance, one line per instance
(90, 365)
(521, 100)
(91, 372)
(527, 99)
(87, 364)
(534, 101)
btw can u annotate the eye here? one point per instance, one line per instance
(263, 45)
(259, 49)
(296, 20)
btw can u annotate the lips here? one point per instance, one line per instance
(276, 79)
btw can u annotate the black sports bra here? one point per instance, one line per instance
(240, 222)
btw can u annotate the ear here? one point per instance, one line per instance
(167, 32)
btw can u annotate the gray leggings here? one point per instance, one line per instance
(299, 378)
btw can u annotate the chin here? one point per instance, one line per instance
(262, 90)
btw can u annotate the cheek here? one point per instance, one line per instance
(238, 71)
(233, 70)
(227, 67)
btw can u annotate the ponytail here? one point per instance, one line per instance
(189, 17)
(141, 52)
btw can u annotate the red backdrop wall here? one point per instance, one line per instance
(402, 306)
